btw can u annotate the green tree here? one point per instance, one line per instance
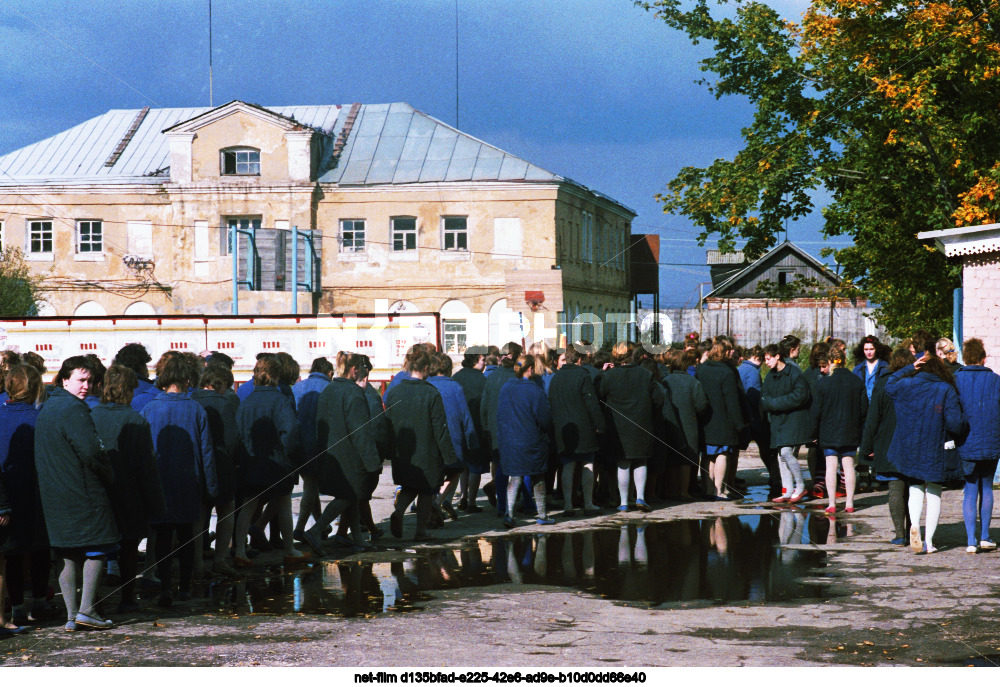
(20, 288)
(892, 107)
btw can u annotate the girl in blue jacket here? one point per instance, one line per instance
(929, 418)
(523, 413)
(979, 390)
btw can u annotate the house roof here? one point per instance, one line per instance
(766, 260)
(386, 144)
(984, 238)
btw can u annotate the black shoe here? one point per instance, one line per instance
(396, 524)
(166, 600)
(463, 504)
(309, 538)
(491, 493)
(449, 509)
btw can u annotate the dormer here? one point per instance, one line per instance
(240, 143)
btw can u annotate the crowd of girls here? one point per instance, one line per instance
(104, 458)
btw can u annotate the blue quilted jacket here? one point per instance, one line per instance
(928, 414)
(979, 390)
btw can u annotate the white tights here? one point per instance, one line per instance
(916, 504)
(791, 471)
(627, 469)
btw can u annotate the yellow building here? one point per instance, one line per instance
(139, 212)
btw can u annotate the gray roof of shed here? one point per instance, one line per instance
(388, 144)
(784, 246)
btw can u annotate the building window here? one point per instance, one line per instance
(352, 236)
(454, 336)
(3, 238)
(587, 237)
(40, 236)
(89, 236)
(241, 162)
(404, 233)
(233, 223)
(456, 235)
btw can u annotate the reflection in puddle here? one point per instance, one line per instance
(721, 560)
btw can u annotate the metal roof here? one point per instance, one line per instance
(388, 144)
(785, 245)
(78, 155)
(396, 144)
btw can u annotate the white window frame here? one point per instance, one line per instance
(226, 238)
(456, 234)
(350, 246)
(89, 253)
(3, 235)
(454, 336)
(30, 229)
(249, 165)
(407, 252)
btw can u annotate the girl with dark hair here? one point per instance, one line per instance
(578, 423)
(460, 427)
(785, 397)
(8, 359)
(307, 392)
(690, 405)
(96, 381)
(348, 465)
(634, 399)
(880, 425)
(135, 357)
(419, 429)
(136, 493)
(496, 491)
(871, 353)
(473, 381)
(74, 474)
(929, 417)
(726, 418)
(269, 436)
(839, 411)
(182, 442)
(523, 412)
(220, 407)
(27, 543)
(791, 345)
(819, 367)
(979, 391)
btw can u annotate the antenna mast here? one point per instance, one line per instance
(210, 104)
(456, 64)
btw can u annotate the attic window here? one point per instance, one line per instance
(783, 276)
(241, 162)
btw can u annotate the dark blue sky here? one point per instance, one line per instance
(596, 90)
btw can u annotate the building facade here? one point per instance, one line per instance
(367, 208)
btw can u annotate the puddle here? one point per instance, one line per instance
(982, 661)
(721, 560)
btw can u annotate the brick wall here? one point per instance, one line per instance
(981, 303)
